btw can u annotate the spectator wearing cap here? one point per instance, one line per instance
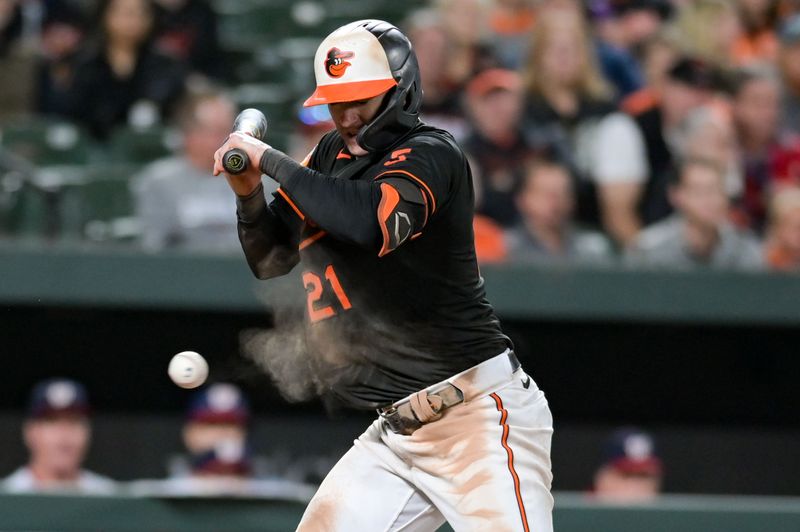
(57, 434)
(690, 83)
(218, 459)
(496, 146)
(546, 233)
(215, 434)
(631, 470)
(782, 250)
(699, 234)
(569, 110)
(789, 63)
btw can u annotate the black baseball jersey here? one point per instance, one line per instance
(395, 301)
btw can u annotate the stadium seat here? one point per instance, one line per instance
(75, 203)
(46, 142)
(140, 146)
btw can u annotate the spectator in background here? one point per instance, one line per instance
(10, 25)
(659, 53)
(569, 110)
(177, 200)
(709, 30)
(631, 471)
(496, 146)
(57, 435)
(788, 8)
(441, 96)
(450, 51)
(17, 62)
(187, 30)
(37, 40)
(219, 460)
(122, 78)
(757, 42)
(510, 25)
(215, 435)
(545, 233)
(62, 36)
(708, 133)
(789, 62)
(689, 84)
(622, 27)
(782, 251)
(699, 234)
(756, 111)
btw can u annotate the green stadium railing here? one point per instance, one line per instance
(34, 274)
(573, 513)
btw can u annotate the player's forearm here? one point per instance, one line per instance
(345, 208)
(264, 237)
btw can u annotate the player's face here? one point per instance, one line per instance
(350, 117)
(58, 444)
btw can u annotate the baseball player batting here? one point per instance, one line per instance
(379, 218)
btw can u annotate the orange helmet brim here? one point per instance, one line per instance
(349, 92)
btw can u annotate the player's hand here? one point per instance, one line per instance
(246, 182)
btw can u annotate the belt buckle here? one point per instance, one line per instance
(398, 423)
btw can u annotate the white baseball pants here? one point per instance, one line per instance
(484, 465)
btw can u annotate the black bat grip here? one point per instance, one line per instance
(254, 123)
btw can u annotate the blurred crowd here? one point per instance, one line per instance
(221, 458)
(643, 133)
(218, 458)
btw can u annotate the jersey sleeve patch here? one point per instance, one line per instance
(396, 225)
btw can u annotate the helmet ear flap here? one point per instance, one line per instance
(400, 110)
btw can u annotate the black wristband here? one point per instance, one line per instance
(250, 208)
(278, 165)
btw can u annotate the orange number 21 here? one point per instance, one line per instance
(314, 287)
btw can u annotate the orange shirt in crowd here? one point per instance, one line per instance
(489, 242)
(758, 48)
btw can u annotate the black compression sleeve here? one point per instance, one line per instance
(264, 237)
(344, 208)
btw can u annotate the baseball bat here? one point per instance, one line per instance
(252, 122)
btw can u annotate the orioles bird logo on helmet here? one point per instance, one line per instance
(335, 64)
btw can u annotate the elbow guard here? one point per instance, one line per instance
(402, 213)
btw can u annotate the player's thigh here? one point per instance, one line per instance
(364, 491)
(503, 477)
